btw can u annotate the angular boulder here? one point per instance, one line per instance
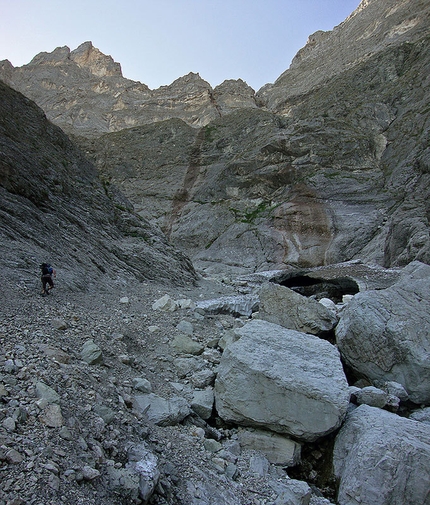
(278, 449)
(240, 305)
(91, 353)
(161, 411)
(282, 380)
(385, 335)
(381, 458)
(202, 403)
(283, 306)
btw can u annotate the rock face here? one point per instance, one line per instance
(328, 183)
(281, 305)
(328, 164)
(382, 459)
(84, 92)
(136, 392)
(384, 335)
(282, 380)
(55, 207)
(371, 28)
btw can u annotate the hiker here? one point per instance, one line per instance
(47, 273)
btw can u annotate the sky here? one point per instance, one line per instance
(158, 41)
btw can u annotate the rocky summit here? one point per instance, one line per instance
(240, 304)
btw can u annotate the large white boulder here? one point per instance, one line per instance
(381, 458)
(385, 335)
(283, 306)
(282, 380)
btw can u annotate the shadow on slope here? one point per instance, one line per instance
(54, 208)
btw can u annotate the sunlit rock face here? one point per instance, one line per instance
(84, 92)
(370, 29)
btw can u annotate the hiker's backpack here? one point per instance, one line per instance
(46, 269)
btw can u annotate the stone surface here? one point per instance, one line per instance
(328, 165)
(109, 102)
(165, 303)
(91, 353)
(183, 344)
(295, 492)
(145, 464)
(282, 380)
(384, 335)
(370, 28)
(52, 416)
(203, 402)
(421, 415)
(46, 393)
(381, 459)
(264, 181)
(161, 411)
(278, 449)
(283, 306)
(142, 384)
(241, 305)
(94, 230)
(374, 397)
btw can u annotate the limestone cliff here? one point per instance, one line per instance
(328, 164)
(83, 91)
(343, 176)
(374, 26)
(54, 208)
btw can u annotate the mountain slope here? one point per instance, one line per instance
(53, 207)
(328, 164)
(343, 176)
(83, 91)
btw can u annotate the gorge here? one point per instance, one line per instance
(242, 306)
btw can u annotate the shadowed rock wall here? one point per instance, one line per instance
(54, 208)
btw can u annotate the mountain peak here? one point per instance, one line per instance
(99, 64)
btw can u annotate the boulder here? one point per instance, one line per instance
(52, 416)
(183, 344)
(185, 327)
(396, 389)
(188, 365)
(137, 480)
(161, 411)
(278, 449)
(282, 380)
(382, 459)
(291, 492)
(203, 378)
(91, 353)
(240, 305)
(106, 413)
(421, 415)
(385, 335)
(283, 306)
(56, 354)
(202, 403)
(142, 384)
(165, 303)
(145, 464)
(372, 396)
(46, 394)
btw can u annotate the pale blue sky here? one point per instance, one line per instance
(157, 41)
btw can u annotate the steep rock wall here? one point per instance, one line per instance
(84, 92)
(328, 164)
(343, 176)
(54, 208)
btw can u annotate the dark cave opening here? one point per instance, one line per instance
(318, 288)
